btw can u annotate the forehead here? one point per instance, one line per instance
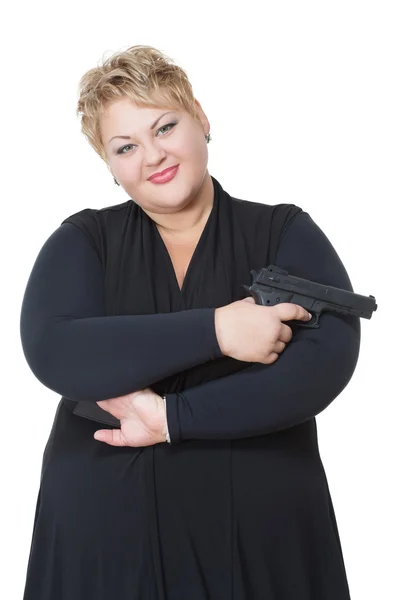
(124, 110)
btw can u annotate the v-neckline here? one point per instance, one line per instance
(195, 254)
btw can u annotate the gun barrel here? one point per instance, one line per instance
(276, 278)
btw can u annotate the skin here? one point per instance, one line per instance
(180, 209)
(143, 419)
(181, 206)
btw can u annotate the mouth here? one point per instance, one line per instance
(164, 176)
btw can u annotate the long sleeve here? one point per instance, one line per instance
(312, 371)
(77, 351)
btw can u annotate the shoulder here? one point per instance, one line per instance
(99, 225)
(86, 215)
(276, 216)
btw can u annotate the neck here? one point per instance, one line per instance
(190, 219)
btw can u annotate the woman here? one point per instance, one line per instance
(183, 461)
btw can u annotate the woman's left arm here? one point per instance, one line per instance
(312, 371)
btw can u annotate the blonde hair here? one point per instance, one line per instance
(142, 73)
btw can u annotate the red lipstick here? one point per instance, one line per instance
(164, 176)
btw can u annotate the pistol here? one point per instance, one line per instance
(272, 285)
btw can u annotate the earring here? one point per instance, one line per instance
(115, 181)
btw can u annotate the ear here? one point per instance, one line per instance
(202, 117)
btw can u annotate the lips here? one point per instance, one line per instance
(163, 174)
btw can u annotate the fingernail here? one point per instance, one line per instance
(310, 315)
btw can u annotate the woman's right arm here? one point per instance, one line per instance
(77, 351)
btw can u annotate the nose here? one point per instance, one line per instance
(153, 154)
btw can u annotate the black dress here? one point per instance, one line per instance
(238, 506)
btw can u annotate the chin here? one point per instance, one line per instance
(177, 203)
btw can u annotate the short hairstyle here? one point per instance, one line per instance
(142, 73)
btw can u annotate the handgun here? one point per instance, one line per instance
(272, 285)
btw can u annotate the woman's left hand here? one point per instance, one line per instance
(143, 419)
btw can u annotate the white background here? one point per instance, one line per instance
(303, 102)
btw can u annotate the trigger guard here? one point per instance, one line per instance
(313, 323)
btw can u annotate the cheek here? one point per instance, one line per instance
(189, 148)
(128, 170)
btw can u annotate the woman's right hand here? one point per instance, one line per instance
(251, 332)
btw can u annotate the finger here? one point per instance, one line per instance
(115, 406)
(271, 358)
(106, 405)
(285, 334)
(288, 312)
(113, 437)
(279, 347)
(250, 299)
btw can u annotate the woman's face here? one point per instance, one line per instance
(175, 139)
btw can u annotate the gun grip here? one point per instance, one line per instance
(257, 297)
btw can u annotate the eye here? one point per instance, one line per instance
(120, 151)
(169, 125)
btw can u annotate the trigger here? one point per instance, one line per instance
(316, 320)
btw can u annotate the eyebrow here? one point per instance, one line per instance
(127, 137)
